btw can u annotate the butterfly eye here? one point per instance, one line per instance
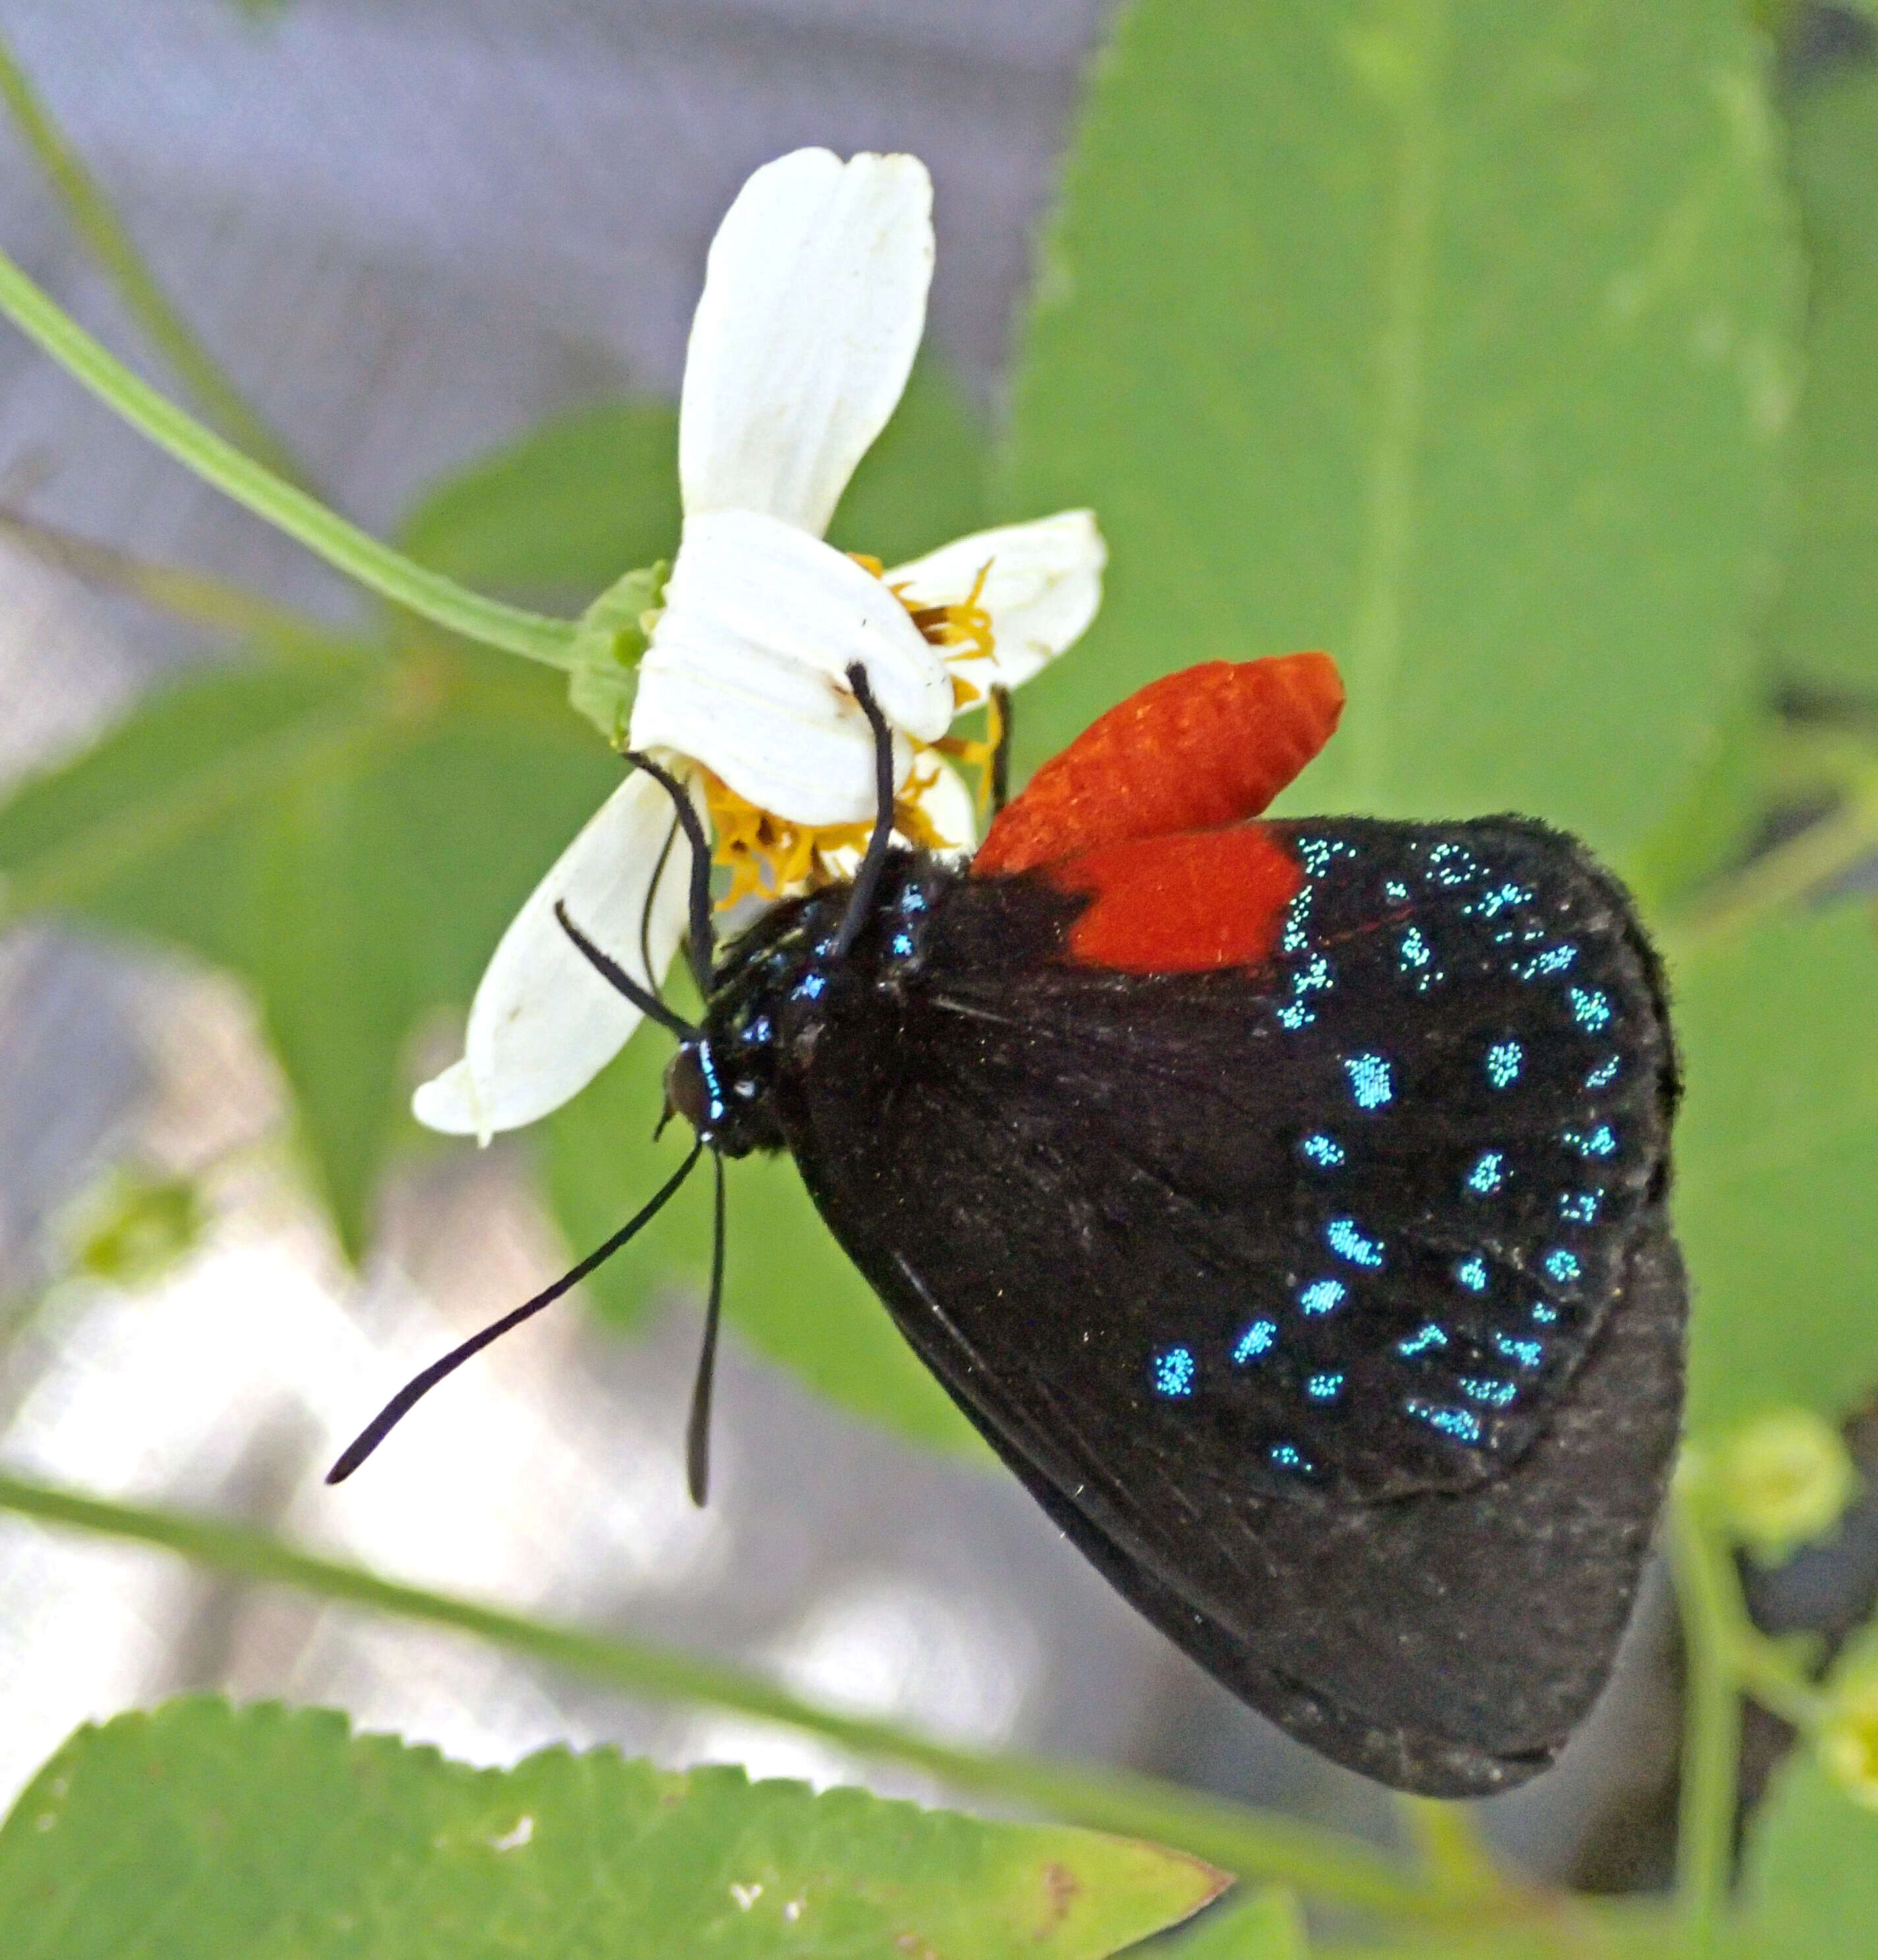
(690, 1089)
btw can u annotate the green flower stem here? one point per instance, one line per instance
(354, 552)
(1243, 1841)
(103, 233)
(1712, 1616)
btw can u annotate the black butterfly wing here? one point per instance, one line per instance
(1330, 1309)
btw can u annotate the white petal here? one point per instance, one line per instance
(1042, 589)
(950, 808)
(814, 302)
(747, 669)
(543, 1023)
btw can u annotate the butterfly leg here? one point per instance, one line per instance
(704, 938)
(622, 982)
(867, 879)
(1000, 732)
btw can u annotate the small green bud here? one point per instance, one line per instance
(1847, 1738)
(614, 632)
(1783, 1480)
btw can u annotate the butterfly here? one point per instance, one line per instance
(1284, 1202)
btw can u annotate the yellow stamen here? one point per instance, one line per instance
(966, 624)
(768, 856)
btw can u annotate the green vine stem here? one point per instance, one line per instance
(360, 556)
(1249, 1843)
(1713, 1618)
(104, 235)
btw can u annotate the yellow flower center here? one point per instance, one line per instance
(767, 855)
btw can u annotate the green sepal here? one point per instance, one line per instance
(614, 630)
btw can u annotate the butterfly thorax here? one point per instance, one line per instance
(777, 989)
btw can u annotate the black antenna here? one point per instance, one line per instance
(697, 1429)
(414, 1390)
(867, 879)
(616, 977)
(703, 934)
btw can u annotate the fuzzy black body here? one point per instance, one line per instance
(1331, 1306)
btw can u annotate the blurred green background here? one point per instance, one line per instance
(1523, 357)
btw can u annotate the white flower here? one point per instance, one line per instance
(813, 306)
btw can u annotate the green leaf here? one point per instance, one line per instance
(569, 508)
(923, 482)
(789, 1289)
(1451, 337)
(578, 502)
(203, 1831)
(1626, 1928)
(1712, 824)
(1266, 1925)
(1825, 626)
(350, 836)
(1777, 1162)
(1811, 1870)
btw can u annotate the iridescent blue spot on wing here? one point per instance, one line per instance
(1257, 1339)
(1462, 1425)
(1316, 975)
(1319, 852)
(1508, 1129)
(1174, 1372)
(1370, 1082)
(902, 945)
(1289, 1456)
(1590, 1008)
(1324, 1388)
(1426, 1338)
(1490, 904)
(1452, 865)
(1505, 1060)
(1549, 964)
(811, 986)
(1488, 1175)
(1348, 1243)
(1528, 1353)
